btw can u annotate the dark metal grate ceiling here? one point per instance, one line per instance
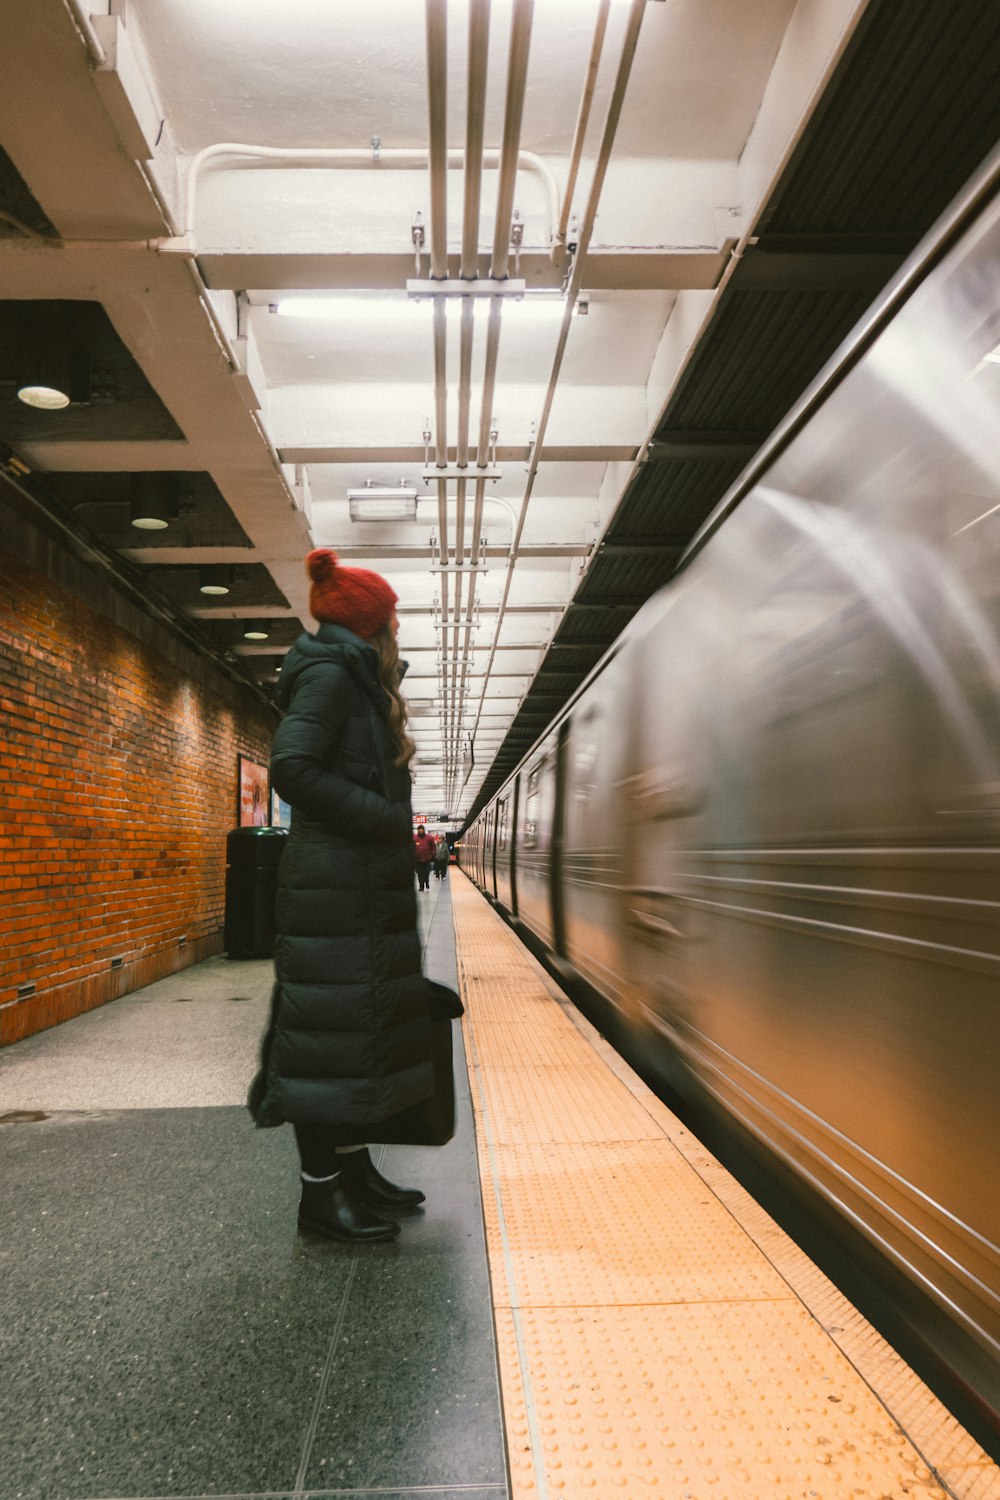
(762, 349)
(909, 115)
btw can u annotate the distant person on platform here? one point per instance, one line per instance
(423, 856)
(349, 1041)
(441, 859)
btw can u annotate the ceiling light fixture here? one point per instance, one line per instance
(51, 373)
(256, 630)
(383, 502)
(348, 308)
(43, 397)
(415, 310)
(214, 580)
(152, 501)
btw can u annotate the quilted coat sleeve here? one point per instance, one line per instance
(308, 758)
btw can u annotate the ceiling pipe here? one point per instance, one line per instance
(440, 383)
(479, 49)
(517, 76)
(437, 102)
(478, 54)
(437, 158)
(615, 103)
(437, 99)
(80, 15)
(390, 158)
(517, 71)
(580, 132)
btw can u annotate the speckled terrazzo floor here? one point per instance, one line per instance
(164, 1331)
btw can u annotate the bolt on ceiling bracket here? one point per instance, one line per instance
(451, 472)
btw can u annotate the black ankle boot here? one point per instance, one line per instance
(367, 1185)
(328, 1209)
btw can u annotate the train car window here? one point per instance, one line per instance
(585, 757)
(531, 808)
(502, 824)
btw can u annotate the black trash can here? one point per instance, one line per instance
(252, 856)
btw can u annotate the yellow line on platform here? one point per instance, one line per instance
(658, 1334)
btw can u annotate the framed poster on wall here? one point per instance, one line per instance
(254, 794)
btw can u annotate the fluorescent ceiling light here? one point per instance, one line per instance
(541, 306)
(383, 502)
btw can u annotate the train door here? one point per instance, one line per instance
(556, 862)
(535, 826)
(498, 814)
(504, 847)
(663, 805)
(515, 808)
(593, 829)
(486, 853)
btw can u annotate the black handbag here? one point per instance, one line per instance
(432, 1121)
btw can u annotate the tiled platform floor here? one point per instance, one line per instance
(163, 1329)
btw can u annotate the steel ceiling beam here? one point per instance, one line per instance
(652, 268)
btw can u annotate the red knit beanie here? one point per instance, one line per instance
(354, 597)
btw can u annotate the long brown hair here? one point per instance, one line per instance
(384, 642)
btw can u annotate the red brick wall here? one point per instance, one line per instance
(118, 784)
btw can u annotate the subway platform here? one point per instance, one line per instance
(589, 1305)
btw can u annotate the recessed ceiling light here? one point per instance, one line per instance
(214, 581)
(152, 501)
(43, 397)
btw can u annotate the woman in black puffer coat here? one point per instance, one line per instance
(348, 1046)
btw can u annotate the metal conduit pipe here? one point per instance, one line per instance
(479, 51)
(440, 383)
(348, 158)
(437, 101)
(479, 42)
(437, 107)
(479, 20)
(464, 381)
(442, 504)
(521, 21)
(580, 132)
(517, 70)
(437, 97)
(629, 43)
(478, 46)
(81, 16)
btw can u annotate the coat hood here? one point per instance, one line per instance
(337, 644)
(331, 643)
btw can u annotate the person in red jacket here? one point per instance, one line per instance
(423, 854)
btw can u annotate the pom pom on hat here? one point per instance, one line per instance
(354, 597)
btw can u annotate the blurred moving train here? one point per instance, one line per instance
(767, 827)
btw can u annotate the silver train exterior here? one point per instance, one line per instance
(767, 828)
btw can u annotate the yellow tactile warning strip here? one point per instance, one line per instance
(658, 1334)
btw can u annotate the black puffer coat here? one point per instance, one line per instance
(349, 1041)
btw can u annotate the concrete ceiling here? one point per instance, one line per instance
(165, 277)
